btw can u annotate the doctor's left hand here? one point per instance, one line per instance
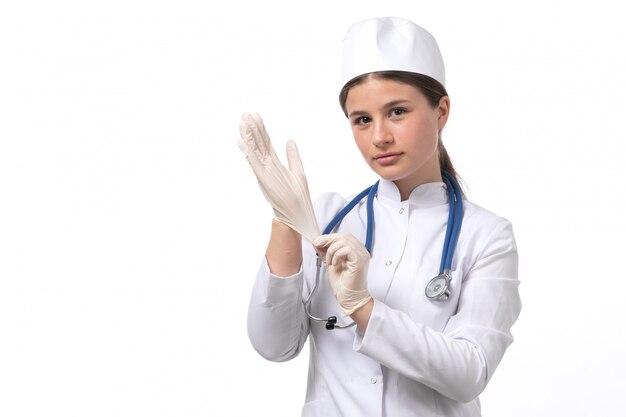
(347, 262)
(286, 189)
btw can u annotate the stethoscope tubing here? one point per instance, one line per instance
(370, 192)
(453, 229)
(455, 218)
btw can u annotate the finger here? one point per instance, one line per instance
(335, 246)
(341, 255)
(247, 142)
(244, 141)
(260, 135)
(359, 247)
(321, 244)
(251, 136)
(323, 241)
(257, 148)
(251, 155)
(245, 127)
(243, 146)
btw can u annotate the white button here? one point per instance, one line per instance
(402, 210)
(373, 380)
(388, 263)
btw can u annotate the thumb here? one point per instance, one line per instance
(294, 161)
(323, 241)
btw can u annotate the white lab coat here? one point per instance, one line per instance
(417, 357)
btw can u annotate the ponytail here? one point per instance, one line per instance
(445, 163)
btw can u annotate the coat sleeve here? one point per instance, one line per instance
(277, 324)
(459, 361)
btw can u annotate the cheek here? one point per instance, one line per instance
(361, 141)
(425, 132)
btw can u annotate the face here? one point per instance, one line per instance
(397, 130)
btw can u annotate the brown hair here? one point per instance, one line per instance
(432, 89)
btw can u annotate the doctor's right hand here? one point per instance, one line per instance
(284, 188)
(347, 261)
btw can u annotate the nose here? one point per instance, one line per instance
(381, 135)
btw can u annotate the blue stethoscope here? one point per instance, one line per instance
(438, 288)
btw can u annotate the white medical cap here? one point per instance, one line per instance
(390, 44)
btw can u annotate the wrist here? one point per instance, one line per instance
(362, 315)
(284, 250)
(281, 229)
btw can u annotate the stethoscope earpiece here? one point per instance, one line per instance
(331, 322)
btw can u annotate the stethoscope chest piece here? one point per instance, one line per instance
(439, 287)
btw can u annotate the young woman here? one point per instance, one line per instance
(429, 278)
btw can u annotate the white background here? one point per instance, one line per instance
(131, 226)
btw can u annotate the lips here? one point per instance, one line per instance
(388, 158)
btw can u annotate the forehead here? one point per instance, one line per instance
(375, 92)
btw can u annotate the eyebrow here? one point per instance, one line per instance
(386, 106)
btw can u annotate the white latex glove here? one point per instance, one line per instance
(285, 189)
(347, 261)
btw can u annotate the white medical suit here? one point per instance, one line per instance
(417, 357)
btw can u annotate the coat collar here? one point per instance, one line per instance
(427, 195)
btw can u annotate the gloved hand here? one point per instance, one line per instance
(347, 261)
(285, 189)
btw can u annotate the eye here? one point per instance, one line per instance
(397, 112)
(363, 120)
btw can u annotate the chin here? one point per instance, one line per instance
(390, 174)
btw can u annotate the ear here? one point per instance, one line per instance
(444, 111)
